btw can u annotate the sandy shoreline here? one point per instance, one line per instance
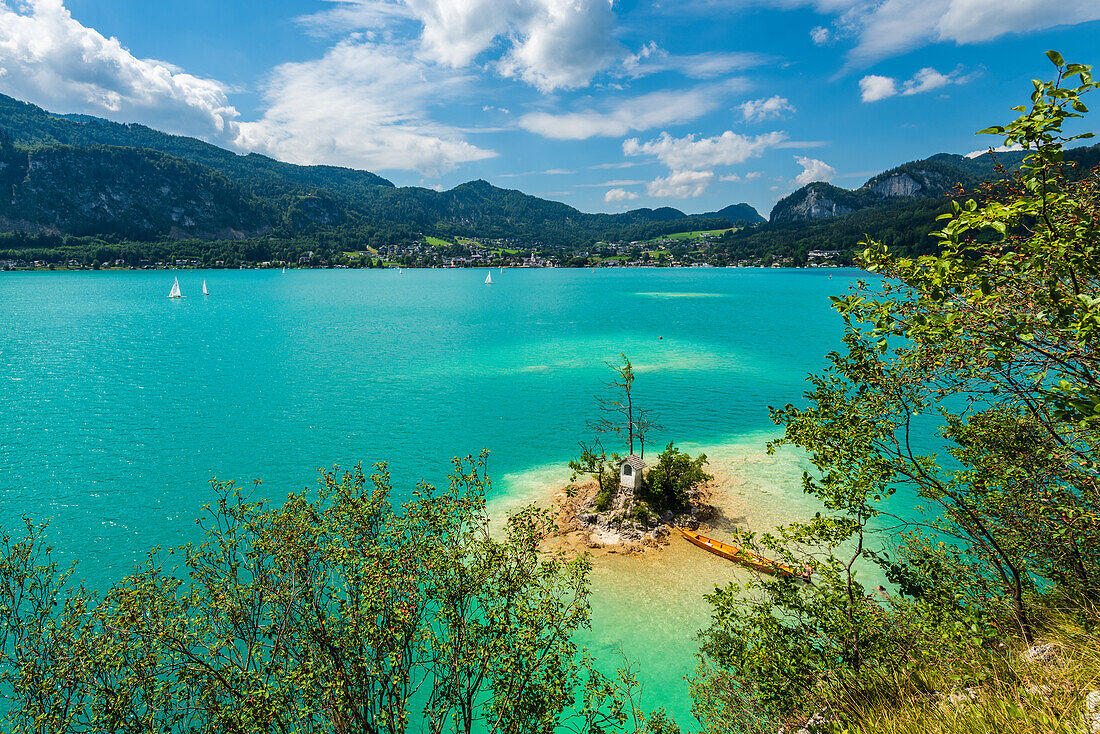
(648, 603)
(736, 503)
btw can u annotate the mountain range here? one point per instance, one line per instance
(81, 175)
(75, 175)
(931, 178)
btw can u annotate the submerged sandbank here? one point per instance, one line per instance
(649, 604)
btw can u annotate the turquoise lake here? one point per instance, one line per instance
(120, 404)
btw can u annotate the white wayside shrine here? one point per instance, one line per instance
(630, 470)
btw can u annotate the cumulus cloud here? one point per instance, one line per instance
(680, 185)
(361, 105)
(617, 195)
(926, 80)
(549, 44)
(873, 87)
(820, 36)
(692, 154)
(691, 160)
(50, 59)
(738, 178)
(624, 116)
(813, 170)
(755, 110)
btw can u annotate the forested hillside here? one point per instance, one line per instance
(897, 207)
(83, 176)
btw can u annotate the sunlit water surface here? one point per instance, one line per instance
(120, 404)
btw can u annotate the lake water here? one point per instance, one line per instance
(120, 404)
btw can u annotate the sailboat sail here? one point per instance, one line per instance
(175, 292)
(204, 291)
(489, 278)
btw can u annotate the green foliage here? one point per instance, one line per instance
(601, 467)
(666, 484)
(995, 339)
(904, 224)
(334, 615)
(161, 185)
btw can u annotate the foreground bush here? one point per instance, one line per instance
(336, 615)
(996, 340)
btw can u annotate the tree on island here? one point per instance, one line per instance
(619, 411)
(662, 489)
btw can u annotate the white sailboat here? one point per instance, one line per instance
(175, 292)
(204, 291)
(489, 278)
(284, 271)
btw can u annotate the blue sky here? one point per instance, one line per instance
(603, 105)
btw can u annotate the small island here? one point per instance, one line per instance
(626, 504)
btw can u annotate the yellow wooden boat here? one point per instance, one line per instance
(745, 557)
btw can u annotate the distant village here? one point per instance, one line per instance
(692, 249)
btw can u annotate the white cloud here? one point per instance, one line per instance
(50, 59)
(680, 185)
(884, 28)
(926, 80)
(361, 105)
(617, 182)
(639, 113)
(873, 87)
(738, 178)
(895, 26)
(604, 166)
(755, 110)
(549, 44)
(813, 170)
(691, 160)
(620, 195)
(691, 154)
(998, 149)
(651, 59)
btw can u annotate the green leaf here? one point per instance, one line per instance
(1055, 58)
(995, 130)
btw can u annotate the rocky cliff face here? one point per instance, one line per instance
(916, 179)
(814, 201)
(921, 179)
(899, 184)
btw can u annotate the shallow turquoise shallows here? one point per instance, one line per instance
(120, 404)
